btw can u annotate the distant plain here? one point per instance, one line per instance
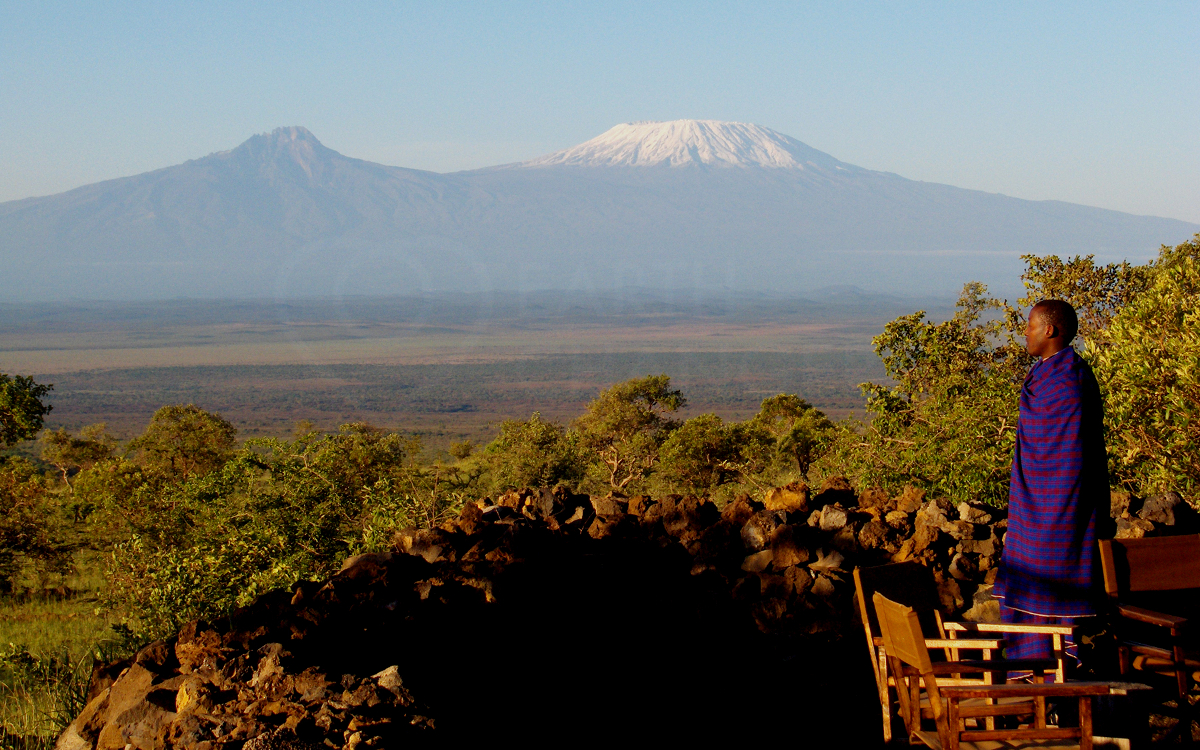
(445, 367)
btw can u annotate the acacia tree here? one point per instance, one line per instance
(799, 432)
(532, 453)
(625, 426)
(67, 452)
(22, 412)
(182, 441)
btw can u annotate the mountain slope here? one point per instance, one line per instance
(683, 204)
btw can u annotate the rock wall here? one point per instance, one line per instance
(547, 611)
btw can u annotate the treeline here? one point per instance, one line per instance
(194, 523)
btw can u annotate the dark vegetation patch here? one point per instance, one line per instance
(451, 401)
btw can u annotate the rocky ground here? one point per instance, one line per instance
(559, 617)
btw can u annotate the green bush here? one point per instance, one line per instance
(1148, 365)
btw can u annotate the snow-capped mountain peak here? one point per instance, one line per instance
(682, 143)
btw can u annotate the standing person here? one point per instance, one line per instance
(1058, 499)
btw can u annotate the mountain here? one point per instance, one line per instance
(685, 204)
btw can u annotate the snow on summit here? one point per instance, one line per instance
(681, 143)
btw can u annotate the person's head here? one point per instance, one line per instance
(1051, 327)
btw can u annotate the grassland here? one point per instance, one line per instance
(448, 368)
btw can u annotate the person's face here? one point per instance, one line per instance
(1038, 333)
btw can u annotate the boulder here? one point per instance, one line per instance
(833, 518)
(1160, 509)
(791, 498)
(910, 499)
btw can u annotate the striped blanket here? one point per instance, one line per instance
(1059, 493)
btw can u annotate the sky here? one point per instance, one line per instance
(1094, 103)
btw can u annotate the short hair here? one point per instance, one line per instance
(1059, 314)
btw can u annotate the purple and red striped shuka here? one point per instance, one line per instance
(1058, 495)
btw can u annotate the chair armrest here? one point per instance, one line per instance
(1008, 627)
(966, 643)
(977, 666)
(1149, 616)
(1022, 690)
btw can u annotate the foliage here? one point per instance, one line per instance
(532, 453)
(65, 452)
(703, 453)
(948, 425)
(21, 409)
(183, 441)
(1148, 365)
(1096, 292)
(625, 426)
(799, 432)
(277, 512)
(26, 522)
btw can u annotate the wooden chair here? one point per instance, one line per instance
(951, 705)
(912, 584)
(1147, 582)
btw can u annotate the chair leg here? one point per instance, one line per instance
(1185, 705)
(885, 697)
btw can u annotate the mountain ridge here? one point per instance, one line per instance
(683, 204)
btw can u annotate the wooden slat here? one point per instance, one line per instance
(1021, 734)
(965, 643)
(1008, 627)
(1013, 690)
(1149, 616)
(1165, 563)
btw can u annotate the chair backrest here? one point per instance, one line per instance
(1165, 563)
(908, 583)
(902, 636)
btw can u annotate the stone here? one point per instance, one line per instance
(873, 535)
(470, 519)
(876, 498)
(835, 491)
(898, 520)
(910, 499)
(1160, 509)
(1118, 503)
(831, 560)
(984, 606)
(689, 517)
(973, 513)
(606, 506)
(1133, 528)
(638, 504)
(738, 511)
(787, 551)
(963, 568)
(823, 586)
(757, 531)
(833, 518)
(949, 593)
(792, 498)
(389, 679)
(986, 547)
(799, 579)
(757, 562)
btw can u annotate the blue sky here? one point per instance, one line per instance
(1094, 103)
